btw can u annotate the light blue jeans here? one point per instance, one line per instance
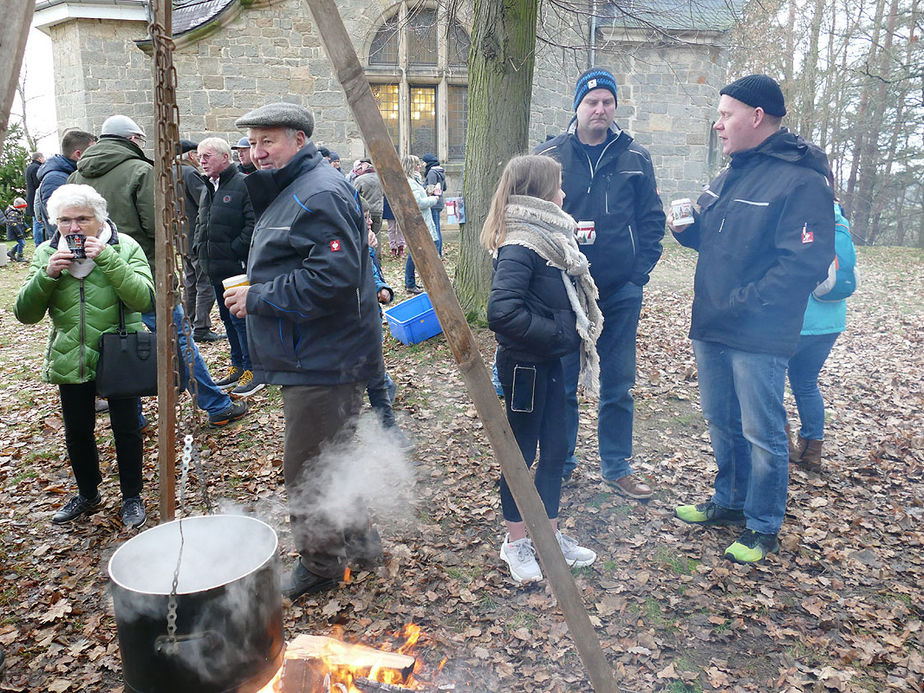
(38, 232)
(804, 367)
(616, 347)
(211, 398)
(742, 401)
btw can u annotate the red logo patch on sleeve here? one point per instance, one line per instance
(807, 236)
(334, 246)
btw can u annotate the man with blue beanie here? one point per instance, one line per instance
(610, 190)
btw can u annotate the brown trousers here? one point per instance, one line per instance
(320, 421)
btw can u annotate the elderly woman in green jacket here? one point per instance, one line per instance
(80, 289)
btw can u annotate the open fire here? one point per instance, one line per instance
(319, 664)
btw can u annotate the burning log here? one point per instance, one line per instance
(338, 653)
(364, 684)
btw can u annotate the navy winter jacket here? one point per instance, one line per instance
(225, 225)
(312, 313)
(619, 194)
(51, 176)
(765, 236)
(528, 308)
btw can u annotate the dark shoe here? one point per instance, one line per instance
(752, 547)
(20, 258)
(101, 405)
(230, 380)
(709, 513)
(629, 487)
(810, 458)
(245, 386)
(133, 514)
(75, 507)
(302, 581)
(208, 336)
(401, 440)
(237, 409)
(413, 290)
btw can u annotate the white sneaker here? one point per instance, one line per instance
(575, 556)
(521, 558)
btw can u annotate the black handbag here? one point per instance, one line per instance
(127, 364)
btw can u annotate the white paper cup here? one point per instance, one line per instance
(236, 280)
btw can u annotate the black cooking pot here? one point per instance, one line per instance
(228, 636)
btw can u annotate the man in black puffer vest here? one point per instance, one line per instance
(222, 243)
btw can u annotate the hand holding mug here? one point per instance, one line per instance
(58, 262)
(92, 247)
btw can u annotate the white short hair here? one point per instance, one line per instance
(216, 144)
(75, 195)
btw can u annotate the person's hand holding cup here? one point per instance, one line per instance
(235, 295)
(681, 215)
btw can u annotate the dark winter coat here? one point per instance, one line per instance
(32, 183)
(528, 308)
(370, 187)
(619, 194)
(119, 171)
(765, 236)
(433, 174)
(51, 176)
(225, 225)
(312, 313)
(193, 187)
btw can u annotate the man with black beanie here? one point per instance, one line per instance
(610, 190)
(765, 236)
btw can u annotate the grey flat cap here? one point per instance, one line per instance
(278, 115)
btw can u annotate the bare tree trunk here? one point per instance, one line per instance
(500, 84)
(810, 75)
(868, 155)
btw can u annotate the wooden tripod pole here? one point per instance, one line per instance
(14, 32)
(346, 65)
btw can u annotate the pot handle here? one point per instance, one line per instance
(189, 645)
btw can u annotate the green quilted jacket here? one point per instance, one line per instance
(82, 309)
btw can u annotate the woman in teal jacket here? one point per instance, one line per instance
(80, 289)
(823, 322)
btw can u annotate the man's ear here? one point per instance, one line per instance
(300, 138)
(759, 116)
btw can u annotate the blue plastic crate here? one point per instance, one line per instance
(414, 320)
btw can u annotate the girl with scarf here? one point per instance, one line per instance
(80, 277)
(542, 306)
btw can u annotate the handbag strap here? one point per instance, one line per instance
(121, 318)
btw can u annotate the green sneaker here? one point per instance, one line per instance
(709, 513)
(752, 547)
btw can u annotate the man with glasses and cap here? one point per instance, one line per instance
(243, 152)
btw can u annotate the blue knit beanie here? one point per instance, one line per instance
(758, 91)
(594, 78)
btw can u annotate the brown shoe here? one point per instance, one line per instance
(629, 487)
(810, 458)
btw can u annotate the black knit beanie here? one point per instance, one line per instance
(758, 91)
(594, 78)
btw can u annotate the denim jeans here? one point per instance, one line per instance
(410, 279)
(236, 328)
(804, 367)
(542, 426)
(211, 399)
(381, 389)
(742, 401)
(616, 347)
(38, 232)
(439, 234)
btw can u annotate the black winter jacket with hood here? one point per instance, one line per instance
(765, 236)
(312, 312)
(619, 194)
(225, 225)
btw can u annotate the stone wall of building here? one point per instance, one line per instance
(271, 51)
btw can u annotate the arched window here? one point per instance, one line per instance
(418, 68)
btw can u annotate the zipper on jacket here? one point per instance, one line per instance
(83, 331)
(632, 238)
(721, 226)
(592, 166)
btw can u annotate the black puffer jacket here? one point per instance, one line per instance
(619, 194)
(225, 225)
(765, 236)
(528, 308)
(312, 313)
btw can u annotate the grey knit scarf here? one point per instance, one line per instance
(544, 228)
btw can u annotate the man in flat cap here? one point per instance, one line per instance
(765, 236)
(610, 189)
(313, 328)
